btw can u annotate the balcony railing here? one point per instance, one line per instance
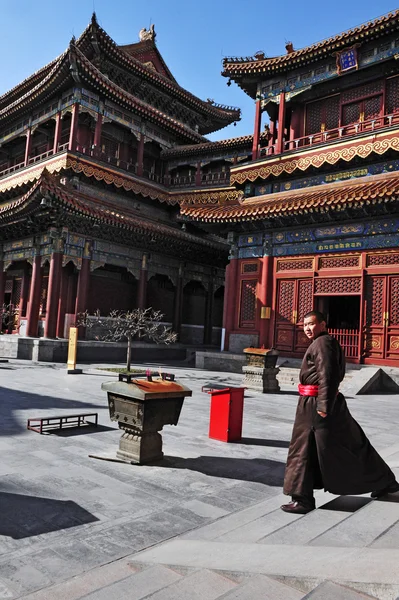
(331, 135)
(221, 178)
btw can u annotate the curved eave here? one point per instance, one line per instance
(223, 115)
(237, 67)
(333, 197)
(93, 77)
(45, 88)
(101, 213)
(238, 143)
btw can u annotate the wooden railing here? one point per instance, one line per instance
(330, 135)
(348, 339)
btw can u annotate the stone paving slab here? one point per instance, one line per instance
(67, 516)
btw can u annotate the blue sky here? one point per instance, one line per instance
(193, 36)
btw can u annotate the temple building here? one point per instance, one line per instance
(89, 200)
(317, 221)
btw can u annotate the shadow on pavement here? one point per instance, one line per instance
(262, 442)
(83, 430)
(16, 400)
(259, 470)
(346, 503)
(25, 516)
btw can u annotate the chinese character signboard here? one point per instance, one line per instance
(347, 59)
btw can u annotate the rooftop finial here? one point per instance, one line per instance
(94, 18)
(147, 34)
(73, 41)
(289, 47)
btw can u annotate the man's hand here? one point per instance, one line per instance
(322, 414)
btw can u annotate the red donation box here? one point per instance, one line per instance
(227, 406)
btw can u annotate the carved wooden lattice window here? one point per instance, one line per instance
(338, 262)
(16, 292)
(305, 299)
(285, 300)
(383, 259)
(322, 115)
(250, 267)
(248, 303)
(338, 285)
(373, 88)
(392, 96)
(394, 304)
(374, 301)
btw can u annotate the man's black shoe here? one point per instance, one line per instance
(296, 508)
(390, 489)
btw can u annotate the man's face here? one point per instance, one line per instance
(312, 327)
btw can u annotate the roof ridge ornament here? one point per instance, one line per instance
(146, 35)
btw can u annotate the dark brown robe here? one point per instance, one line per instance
(332, 452)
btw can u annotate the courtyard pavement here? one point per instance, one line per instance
(204, 523)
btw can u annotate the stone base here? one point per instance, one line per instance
(261, 380)
(140, 449)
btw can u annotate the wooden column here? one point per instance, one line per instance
(178, 303)
(142, 289)
(57, 132)
(82, 291)
(265, 297)
(2, 283)
(28, 146)
(23, 305)
(140, 156)
(255, 143)
(272, 127)
(295, 125)
(230, 300)
(62, 303)
(198, 175)
(74, 127)
(34, 298)
(97, 132)
(281, 123)
(53, 295)
(208, 314)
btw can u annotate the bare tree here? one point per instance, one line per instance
(9, 316)
(128, 325)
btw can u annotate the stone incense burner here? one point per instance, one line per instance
(142, 405)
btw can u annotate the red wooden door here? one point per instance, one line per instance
(361, 113)
(294, 300)
(381, 310)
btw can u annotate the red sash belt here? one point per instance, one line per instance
(308, 390)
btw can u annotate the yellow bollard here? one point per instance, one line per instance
(72, 351)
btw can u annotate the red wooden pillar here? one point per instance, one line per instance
(255, 143)
(23, 304)
(198, 175)
(281, 123)
(53, 295)
(83, 287)
(57, 132)
(97, 132)
(140, 156)
(28, 146)
(177, 313)
(62, 304)
(295, 125)
(208, 314)
(74, 127)
(265, 297)
(34, 298)
(142, 291)
(2, 282)
(230, 300)
(272, 127)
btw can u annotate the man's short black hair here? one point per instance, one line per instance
(318, 314)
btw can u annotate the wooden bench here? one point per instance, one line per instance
(41, 424)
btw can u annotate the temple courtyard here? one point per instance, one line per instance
(203, 524)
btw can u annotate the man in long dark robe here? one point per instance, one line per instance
(328, 448)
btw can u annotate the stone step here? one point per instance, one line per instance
(261, 587)
(203, 584)
(139, 585)
(333, 591)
